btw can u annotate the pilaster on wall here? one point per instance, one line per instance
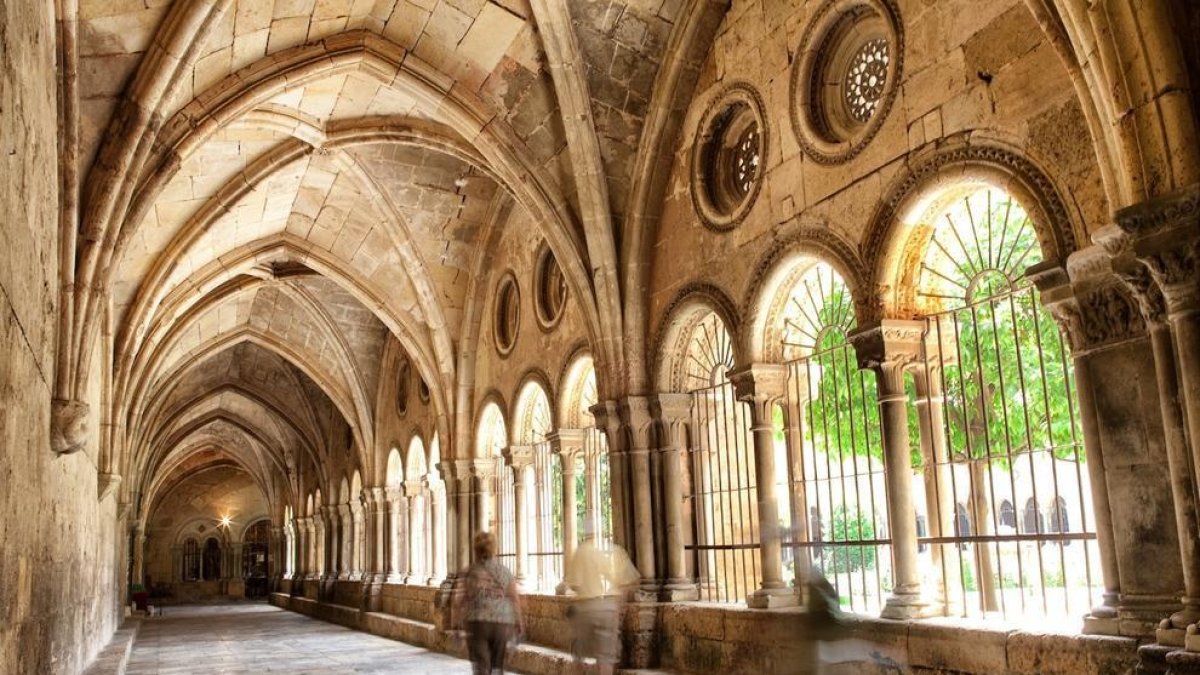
(1128, 458)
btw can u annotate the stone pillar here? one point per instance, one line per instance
(414, 490)
(375, 556)
(324, 522)
(437, 531)
(889, 348)
(793, 431)
(520, 458)
(398, 507)
(301, 559)
(761, 386)
(345, 567)
(939, 495)
(463, 477)
(358, 539)
(139, 554)
(1164, 235)
(591, 481)
(1123, 439)
(568, 445)
(607, 418)
(484, 471)
(276, 558)
(635, 417)
(672, 412)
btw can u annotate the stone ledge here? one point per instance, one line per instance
(525, 658)
(113, 659)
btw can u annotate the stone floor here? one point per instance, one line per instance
(256, 638)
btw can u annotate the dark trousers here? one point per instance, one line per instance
(487, 645)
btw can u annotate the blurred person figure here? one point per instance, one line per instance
(490, 607)
(598, 575)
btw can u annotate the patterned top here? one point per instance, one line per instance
(487, 593)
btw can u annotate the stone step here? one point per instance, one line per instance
(113, 659)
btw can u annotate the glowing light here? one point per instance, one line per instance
(225, 521)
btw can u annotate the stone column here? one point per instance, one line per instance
(414, 490)
(793, 421)
(939, 495)
(276, 558)
(484, 471)
(635, 417)
(437, 531)
(1126, 454)
(139, 554)
(608, 419)
(591, 481)
(375, 556)
(568, 445)
(463, 477)
(760, 386)
(520, 458)
(325, 541)
(672, 412)
(301, 559)
(889, 348)
(397, 505)
(345, 566)
(1164, 235)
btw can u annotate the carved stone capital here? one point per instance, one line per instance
(414, 488)
(672, 412)
(1090, 301)
(635, 414)
(1165, 236)
(566, 442)
(760, 382)
(68, 426)
(519, 456)
(889, 347)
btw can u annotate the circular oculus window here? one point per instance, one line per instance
(422, 390)
(506, 319)
(551, 288)
(845, 84)
(728, 156)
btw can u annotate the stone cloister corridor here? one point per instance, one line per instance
(884, 310)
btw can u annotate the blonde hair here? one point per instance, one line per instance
(485, 545)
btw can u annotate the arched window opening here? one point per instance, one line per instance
(211, 563)
(999, 423)
(191, 561)
(594, 484)
(829, 443)
(416, 470)
(720, 479)
(490, 442)
(255, 563)
(540, 473)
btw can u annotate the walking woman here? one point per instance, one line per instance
(492, 608)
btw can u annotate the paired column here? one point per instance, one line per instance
(414, 490)
(1163, 234)
(761, 386)
(636, 421)
(568, 445)
(520, 459)
(673, 413)
(607, 418)
(397, 560)
(374, 559)
(889, 348)
(939, 495)
(463, 478)
(437, 531)
(347, 542)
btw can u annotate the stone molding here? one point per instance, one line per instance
(1089, 301)
(738, 92)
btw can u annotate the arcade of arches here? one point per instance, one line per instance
(893, 304)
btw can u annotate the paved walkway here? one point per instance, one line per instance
(256, 638)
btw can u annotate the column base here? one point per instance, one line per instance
(563, 588)
(904, 607)
(679, 590)
(771, 598)
(1169, 636)
(1102, 619)
(395, 578)
(1141, 615)
(647, 591)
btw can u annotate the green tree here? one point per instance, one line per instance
(849, 525)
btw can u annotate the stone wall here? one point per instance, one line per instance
(62, 571)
